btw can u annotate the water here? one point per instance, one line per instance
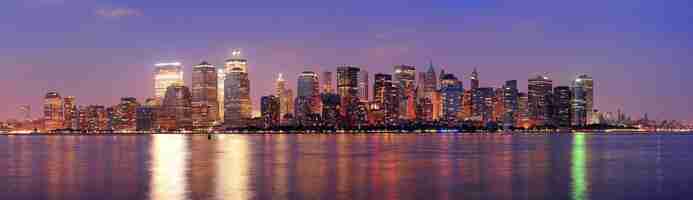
(443, 166)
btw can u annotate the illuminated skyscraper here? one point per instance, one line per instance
(405, 76)
(176, 113)
(539, 100)
(147, 115)
(477, 101)
(484, 106)
(269, 109)
(523, 120)
(286, 98)
(308, 97)
(204, 95)
(451, 91)
(347, 88)
(165, 75)
(237, 104)
(221, 76)
(70, 111)
(364, 86)
(330, 109)
(563, 96)
(125, 114)
(474, 80)
(385, 97)
(511, 102)
(53, 111)
(326, 86)
(93, 118)
(579, 101)
(587, 84)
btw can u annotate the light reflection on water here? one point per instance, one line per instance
(446, 166)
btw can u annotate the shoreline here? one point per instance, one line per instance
(364, 133)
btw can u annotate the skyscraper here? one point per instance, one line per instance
(93, 118)
(70, 113)
(510, 104)
(347, 89)
(204, 95)
(431, 91)
(451, 91)
(53, 111)
(563, 96)
(587, 84)
(523, 120)
(539, 100)
(474, 80)
(363, 86)
(165, 75)
(308, 97)
(579, 101)
(330, 109)
(385, 97)
(124, 114)
(221, 76)
(326, 85)
(146, 115)
(476, 102)
(176, 109)
(286, 98)
(484, 107)
(237, 104)
(405, 76)
(269, 109)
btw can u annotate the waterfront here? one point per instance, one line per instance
(355, 166)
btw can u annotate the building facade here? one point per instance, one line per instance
(53, 116)
(204, 95)
(165, 75)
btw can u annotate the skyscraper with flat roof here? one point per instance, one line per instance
(539, 99)
(53, 115)
(165, 75)
(204, 95)
(562, 100)
(237, 104)
(405, 76)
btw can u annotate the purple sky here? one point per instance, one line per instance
(638, 52)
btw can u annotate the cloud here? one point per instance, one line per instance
(117, 13)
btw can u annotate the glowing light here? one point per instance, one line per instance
(578, 167)
(168, 64)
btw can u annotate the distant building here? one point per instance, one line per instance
(562, 101)
(485, 104)
(147, 115)
(176, 113)
(330, 109)
(125, 114)
(269, 109)
(540, 99)
(581, 87)
(204, 95)
(165, 75)
(386, 98)
(405, 76)
(523, 120)
(308, 103)
(327, 85)
(93, 118)
(586, 84)
(364, 86)
(70, 112)
(511, 100)
(221, 76)
(451, 91)
(53, 115)
(286, 98)
(237, 104)
(347, 89)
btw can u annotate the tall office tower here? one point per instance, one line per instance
(510, 104)
(330, 109)
(585, 81)
(467, 105)
(498, 110)
(451, 91)
(539, 100)
(326, 85)
(269, 110)
(165, 75)
(579, 102)
(380, 84)
(71, 116)
(307, 106)
(221, 76)
(53, 111)
(385, 97)
(95, 118)
(237, 104)
(431, 91)
(204, 95)
(125, 114)
(176, 111)
(523, 120)
(474, 80)
(485, 105)
(405, 77)
(364, 86)
(286, 98)
(562, 95)
(146, 115)
(348, 91)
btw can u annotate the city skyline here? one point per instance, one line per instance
(640, 66)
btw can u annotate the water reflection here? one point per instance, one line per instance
(169, 166)
(445, 166)
(578, 169)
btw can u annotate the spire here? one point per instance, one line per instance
(280, 78)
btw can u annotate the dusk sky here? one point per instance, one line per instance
(638, 52)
